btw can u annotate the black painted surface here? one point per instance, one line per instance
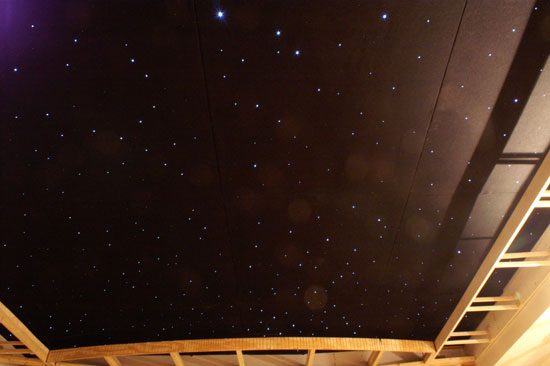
(168, 173)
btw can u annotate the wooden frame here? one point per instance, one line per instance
(243, 344)
(530, 200)
(176, 358)
(451, 361)
(21, 332)
(174, 348)
(536, 191)
(374, 358)
(511, 330)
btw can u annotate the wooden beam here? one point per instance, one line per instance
(450, 361)
(374, 358)
(467, 341)
(526, 255)
(244, 344)
(11, 343)
(23, 361)
(240, 357)
(513, 225)
(532, 309)
(492, 308)
(470, 333)
(543, 204)
(310, 357)
(523, 264)
(176, 358)
(16, 351)
(494, 299)
(546, 194)
(112, 361)
(21, 332)
(26, 361)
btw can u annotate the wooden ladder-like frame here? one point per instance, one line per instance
(537, 195)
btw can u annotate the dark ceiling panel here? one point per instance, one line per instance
(115, 220)
(484, 51)
(479, 106)
(318, 150)
(532, 130)
(189, 169)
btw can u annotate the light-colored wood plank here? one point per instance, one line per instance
(240, 357)
(526, 255)
(21, 332)
(16, 351)
(494, 299)
(523, 264)
(532, 308)
(112, 361)
(23, 361)
(467, 341)
(543, 204)
(11, 343)
(310, 357)
(244, 344)
(546, 194)
(450, 361)
(176, 358)
(522, 284)
(493, 308)
(374, 358)
(513, 225)
(470, 333)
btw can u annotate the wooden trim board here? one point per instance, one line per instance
(21, 332)
(451, 361)
(243, 344)
(526, 205)
(374, 358)
(23, 361)
(176, 358)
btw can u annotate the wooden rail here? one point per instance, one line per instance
(531, 198)
(243, 344)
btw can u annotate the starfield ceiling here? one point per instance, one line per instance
(205, 169)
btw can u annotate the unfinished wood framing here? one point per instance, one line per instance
(528, 202)
(470, 333)
(492, 308)
(451, 361)
(16, 351)
(374, 358)
(240, 357)
(496, 258)
(494, 299)
(112, 361)
(243, 344)
(23, 361)
(174, 348)
(467, 341)
(532, 308)
(21, 332)
(11, 343)
(519, 255)
(310, 356)
(521, 264)
(543, 204)
(176, 358)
